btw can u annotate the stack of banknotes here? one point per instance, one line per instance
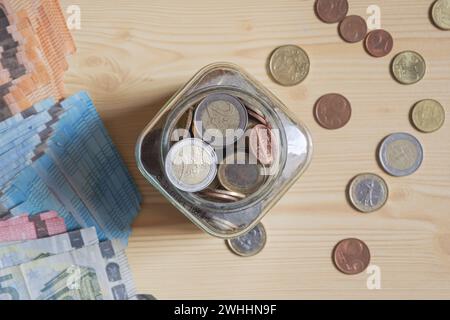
(72, 265)
(58, 156)
(67, 200)
(66, 205)
(34, 45)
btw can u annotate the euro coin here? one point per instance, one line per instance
(331, 11)
(353, 29)
(289, 65)
(408, 67)
(351, 256)
(250, 243)
(428, 115)
(220, 120)
(239, 175)
(263, 144)
(400, 154)
(368, 192)
(441, 14)
(379, 43)
(333, 111)
(191, 165)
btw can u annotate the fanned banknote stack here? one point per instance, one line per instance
(34, 45)
(67, 200)
(59, 157)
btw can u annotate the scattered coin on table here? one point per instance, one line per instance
(331, 11)
(441, 14)
(351, 256)
(332, 111)
(191, 165)
(353, 28)
(368, 192)
(220, 119)
(400, 154)
(379, 43)
(250, 243)
(241, 175)
(428, 115)
(289, 65)
(408, 67)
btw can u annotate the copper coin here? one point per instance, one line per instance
(333, 111)
(351, 256)
(353, 29)
(262, 144)
(257, 117)
(379, 43)
(331, 11)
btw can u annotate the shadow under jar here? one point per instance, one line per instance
(237, 211)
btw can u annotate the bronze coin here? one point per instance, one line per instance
(261, 119)
(331, 11)
(262, 144)
(333, 111)
(379, 43)
(351, 256)
(353, 29)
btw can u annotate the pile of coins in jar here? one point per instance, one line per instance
(221, 149)
(399, 154)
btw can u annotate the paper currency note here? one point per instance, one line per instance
(46, 168)
(28, 193)
(74, 152)
(25, 251)
(13, 285)
(24, 218)
(97, 272)
(32, 230)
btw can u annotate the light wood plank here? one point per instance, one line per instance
(132, 56)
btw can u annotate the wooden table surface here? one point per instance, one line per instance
(134, 54)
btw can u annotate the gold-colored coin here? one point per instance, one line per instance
(408, 67)
(289, 65)
(428, 115)
(441, 14)
(241, 175)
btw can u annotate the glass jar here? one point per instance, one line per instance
(293, 150)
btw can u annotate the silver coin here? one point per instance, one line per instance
(400, 154)
(250, 243)
(220, 120)
(368, 192)
(191, 165)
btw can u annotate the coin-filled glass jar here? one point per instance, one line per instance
(223, 150)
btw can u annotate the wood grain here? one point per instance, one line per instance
(132, 56)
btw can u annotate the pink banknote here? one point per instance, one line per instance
(25, 217)
(34, 229)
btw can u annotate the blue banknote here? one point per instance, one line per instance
(60, 157)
